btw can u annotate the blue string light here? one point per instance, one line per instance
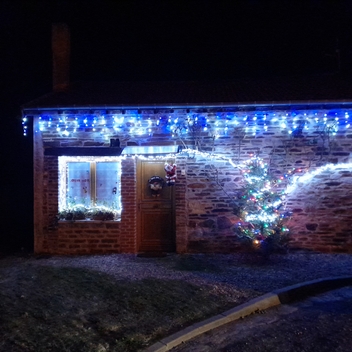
(218, 124)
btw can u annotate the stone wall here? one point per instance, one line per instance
(208, 180)
(211, 184)
(321, 206)
(322, 214)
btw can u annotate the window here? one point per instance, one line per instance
(89, 187)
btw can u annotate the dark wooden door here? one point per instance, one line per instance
(156, 211)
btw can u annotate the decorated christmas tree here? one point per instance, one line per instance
(260, 206)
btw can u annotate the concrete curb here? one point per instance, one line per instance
(271, 299)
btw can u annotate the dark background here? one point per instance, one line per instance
(151, 40)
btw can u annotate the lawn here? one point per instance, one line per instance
(76, 309)
(126, 303)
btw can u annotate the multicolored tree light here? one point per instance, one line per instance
(260, 206)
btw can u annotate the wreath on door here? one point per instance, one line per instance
(156, 184)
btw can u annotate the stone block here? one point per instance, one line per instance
(311, 227)
(224, 222)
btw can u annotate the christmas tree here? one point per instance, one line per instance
(260, 206)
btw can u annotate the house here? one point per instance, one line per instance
(155, 164)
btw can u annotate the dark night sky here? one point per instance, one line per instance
(152, 40)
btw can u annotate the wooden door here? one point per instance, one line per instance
(156, 210)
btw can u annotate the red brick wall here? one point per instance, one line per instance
(82, 237)
(128, 232)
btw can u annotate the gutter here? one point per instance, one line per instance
(197, 106)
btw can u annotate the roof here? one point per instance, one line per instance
(329, 88)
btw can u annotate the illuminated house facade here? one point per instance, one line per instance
(153, 167)
(102, 146)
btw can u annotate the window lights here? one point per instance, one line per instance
(89, 186)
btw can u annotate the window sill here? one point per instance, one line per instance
(88, 221)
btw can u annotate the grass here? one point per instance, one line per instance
(74, 309)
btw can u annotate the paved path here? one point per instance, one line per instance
(319, 323)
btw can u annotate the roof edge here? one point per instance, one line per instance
(195, 106)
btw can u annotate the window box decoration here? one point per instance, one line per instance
(101, 213)
(77, 212)
(89, 188)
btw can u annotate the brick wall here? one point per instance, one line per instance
(83, 237)
(128, 231)
(78, 237)
(68, 237)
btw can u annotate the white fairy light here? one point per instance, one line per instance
(306, 178)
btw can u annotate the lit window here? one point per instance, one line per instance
(89, 188)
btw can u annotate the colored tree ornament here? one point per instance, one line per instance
(260, 207)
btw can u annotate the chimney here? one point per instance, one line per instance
(61, 56)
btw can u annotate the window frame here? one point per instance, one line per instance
(93, 161)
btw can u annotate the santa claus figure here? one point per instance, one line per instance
(170, 170)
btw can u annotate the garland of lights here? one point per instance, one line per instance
(261, 213)
(307, 177)
(219, 124)
(262, 217)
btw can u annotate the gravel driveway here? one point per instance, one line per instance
(240, 277)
